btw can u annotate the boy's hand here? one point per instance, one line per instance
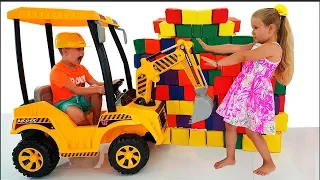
(100, 89)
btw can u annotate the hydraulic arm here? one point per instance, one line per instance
(150, 72)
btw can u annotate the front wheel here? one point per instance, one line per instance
(128, 153)
(34, 158)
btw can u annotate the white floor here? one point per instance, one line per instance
(299, 160)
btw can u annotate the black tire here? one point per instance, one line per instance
(46, 151)
(136, 142)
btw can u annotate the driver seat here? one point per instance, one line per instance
(43, 93)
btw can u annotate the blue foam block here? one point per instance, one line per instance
(137, 62)
(167, 42)
(137, 58)
(209, 123)
(162, 80)
(176, 92)
(206, 75)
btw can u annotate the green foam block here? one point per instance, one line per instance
(212, 75)
(239, 140)
(209, 31)
(197, 48)
(197, 31)
(222, 40)
(183, 31)
(280, 89)
(241, 40)
(139, 46)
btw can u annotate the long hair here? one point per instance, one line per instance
(285, 69)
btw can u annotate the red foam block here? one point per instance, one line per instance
(172, 120)
(183, 78)
(203, 65)
(199, 125)
(232, 70)
(152, 46)
(222, 85)
(210, 92)
(220, 98)
(173, 16)
(189, 93)
(273, 82)
(241, 130)
(220, 15)
(162, 92)
(156, 23)
(237, 23)
(282, 102)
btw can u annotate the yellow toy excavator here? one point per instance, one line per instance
(131, 118)
(149, 72)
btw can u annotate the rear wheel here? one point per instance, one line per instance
(128, 153)
(34, 158)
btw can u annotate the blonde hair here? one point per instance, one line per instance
(285, 69)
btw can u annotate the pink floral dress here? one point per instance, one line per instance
(250, 100)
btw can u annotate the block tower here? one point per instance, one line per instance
(214, 27)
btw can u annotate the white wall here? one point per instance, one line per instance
(301, 99)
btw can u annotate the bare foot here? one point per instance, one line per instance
(224, 162)
(265, 169)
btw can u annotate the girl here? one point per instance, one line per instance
(249, 102)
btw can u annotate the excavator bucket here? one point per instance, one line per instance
(203, 106)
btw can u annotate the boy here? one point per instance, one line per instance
(68, 78)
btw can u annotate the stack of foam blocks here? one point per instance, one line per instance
(214, 27)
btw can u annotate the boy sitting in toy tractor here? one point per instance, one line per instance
(68, 78)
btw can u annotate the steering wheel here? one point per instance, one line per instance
(116, 84)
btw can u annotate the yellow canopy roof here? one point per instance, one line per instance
(58, 17)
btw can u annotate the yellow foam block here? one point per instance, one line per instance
(173, 106)
(160, 36)
(180, 136)
(179, 66)
(282, 122)
(167, 29)
(273, 141)
(204, 16)
(189, 16)
(215, 138)
(167, 137)
(197, 137)
(185, 107)
(226, 29)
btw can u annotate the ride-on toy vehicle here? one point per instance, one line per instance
(129, 122)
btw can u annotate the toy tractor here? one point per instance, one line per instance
(132, 118)
(48, 133)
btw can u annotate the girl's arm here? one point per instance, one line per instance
(264, 51)
(225, 48)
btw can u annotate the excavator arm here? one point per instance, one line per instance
(149, 72)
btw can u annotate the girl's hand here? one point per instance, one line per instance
(204, 45)
(209, 61)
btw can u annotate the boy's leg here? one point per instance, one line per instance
(95, 101)
(77, 116)
(73, 110)
(261, 145)
(231, 140)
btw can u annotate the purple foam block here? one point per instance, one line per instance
(215, 106)
(183, 121)
(276, 104)
(218, 123)
(171, 77)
